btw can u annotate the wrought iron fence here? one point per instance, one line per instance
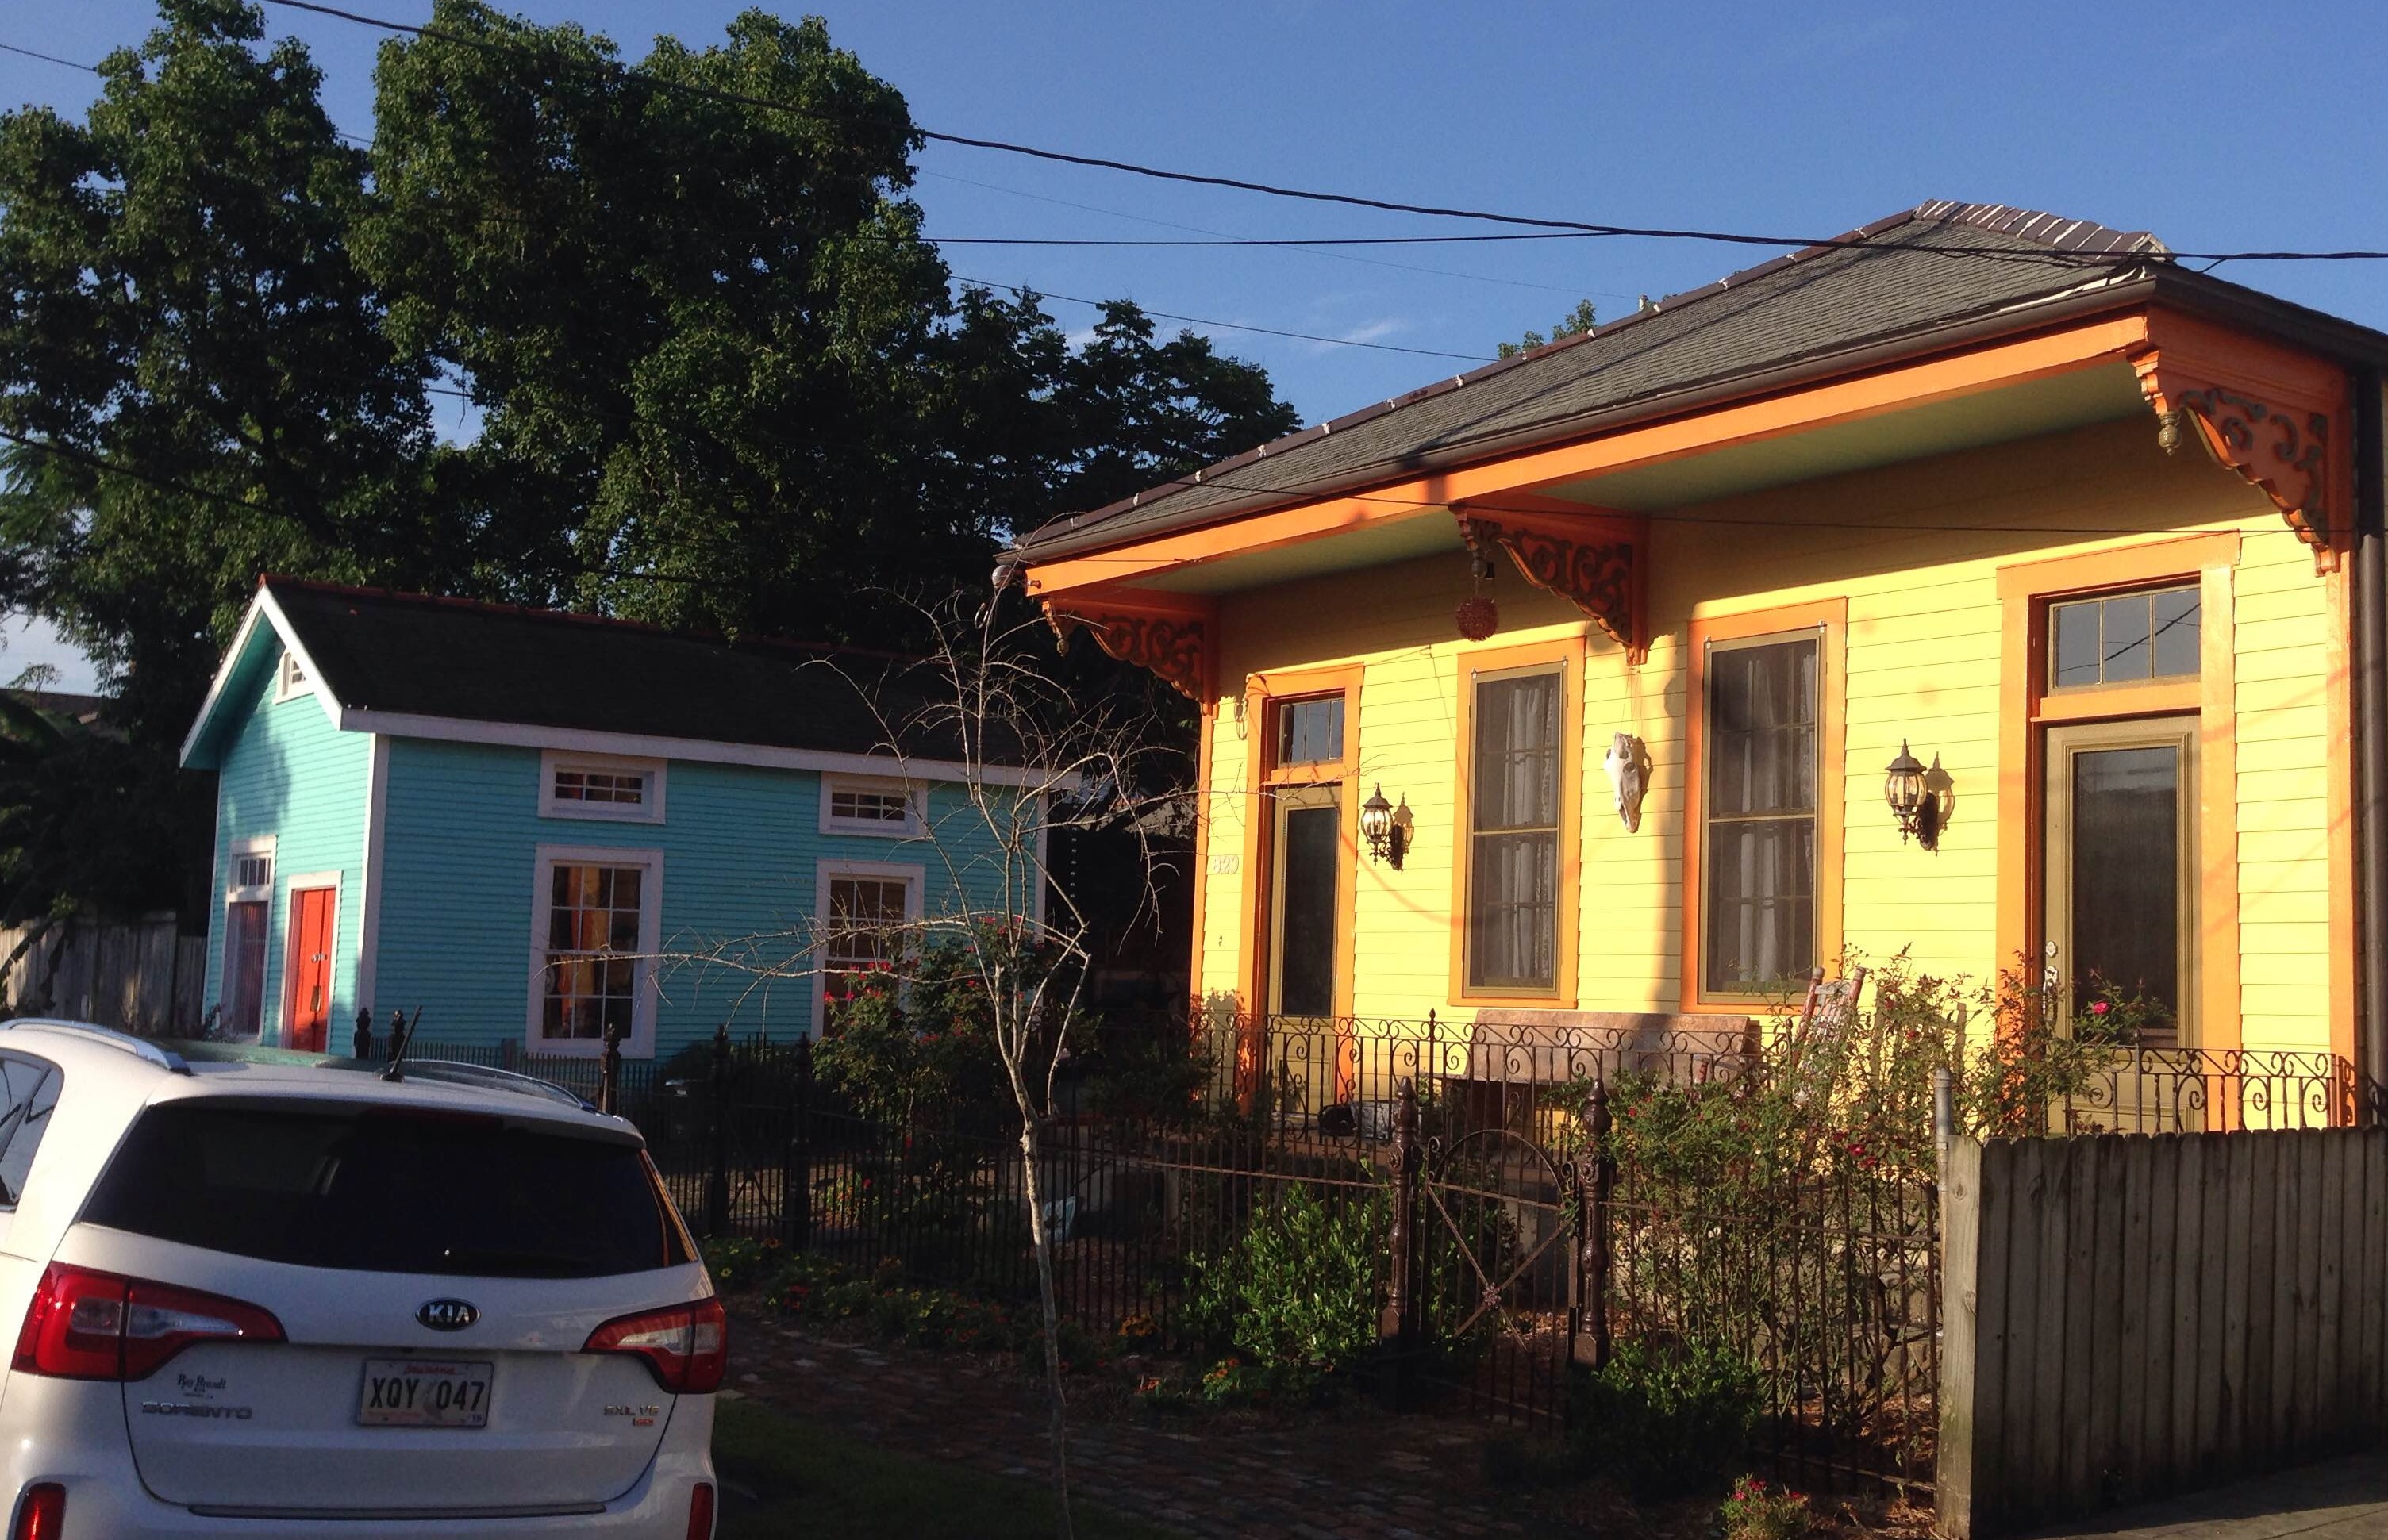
(1519, 1245)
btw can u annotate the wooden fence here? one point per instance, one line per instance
(2127, 1316)
(143, 977)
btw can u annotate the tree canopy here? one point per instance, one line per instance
(711, 374)
(1579, 320)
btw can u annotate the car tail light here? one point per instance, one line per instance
(85, 1325)
(42, 1513)
(700, 1511)
(686, 1346)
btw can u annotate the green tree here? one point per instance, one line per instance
(181, 323)
(1579, 320)
(720, 380)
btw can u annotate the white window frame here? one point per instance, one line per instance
(649, 811)
(235, 891)
(914, 878)
(641, 1043)
(914, 793)
(291, 678)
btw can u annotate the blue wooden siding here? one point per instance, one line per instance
(741, 847)
(287, 772)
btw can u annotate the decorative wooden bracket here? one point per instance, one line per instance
(1596, 559)
(2280, 418)
(1167, 635)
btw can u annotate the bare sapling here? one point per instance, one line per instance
(999, 757)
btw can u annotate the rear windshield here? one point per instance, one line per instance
(383, 1190)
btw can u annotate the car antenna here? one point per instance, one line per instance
(397, 1049)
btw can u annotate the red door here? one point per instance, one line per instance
(311, 967)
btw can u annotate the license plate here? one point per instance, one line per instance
(425, 1393)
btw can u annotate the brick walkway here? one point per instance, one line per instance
(1351, 1473)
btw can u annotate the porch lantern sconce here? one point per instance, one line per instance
(1908, 788)
(1385, 828)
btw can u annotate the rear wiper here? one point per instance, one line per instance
(405, 1040)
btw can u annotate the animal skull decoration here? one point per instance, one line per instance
(1627, 763)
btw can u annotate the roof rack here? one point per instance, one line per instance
(140, 1048)
(455, 1072)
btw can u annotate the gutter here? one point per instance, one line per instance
(2369, 578)
(2227, 301)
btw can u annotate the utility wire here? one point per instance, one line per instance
(1311, 246)
(989, 284)
(337, 133)
(1314, 195)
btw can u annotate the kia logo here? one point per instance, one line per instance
(447, 1315)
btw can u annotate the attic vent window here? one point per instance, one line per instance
(291, 678)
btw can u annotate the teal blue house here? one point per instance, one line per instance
(522, 822)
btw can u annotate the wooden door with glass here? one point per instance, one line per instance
(1297, 1047)
(2121, 920)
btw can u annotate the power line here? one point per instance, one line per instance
(1299, 245)
(1165, 315)
(1350, 200)
(337, 133)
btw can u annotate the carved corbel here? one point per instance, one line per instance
(1596, 560)
(2280, 419)
(1166, 636)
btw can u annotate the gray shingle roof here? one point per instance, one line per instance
(1940, 263)
(418, 655)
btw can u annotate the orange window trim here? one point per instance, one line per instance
(2340, 769)
(1201, 877)
(1830, 619)
(1567, 654)
(2027, 706)
(1262, 692)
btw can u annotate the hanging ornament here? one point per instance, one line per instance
(1478, 616)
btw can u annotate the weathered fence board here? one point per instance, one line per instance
(2128, 1315)
(142, 976)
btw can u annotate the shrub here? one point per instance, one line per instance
(738, 1262)
(1756, 1511)
(1669, 1417)
(1299, 1287)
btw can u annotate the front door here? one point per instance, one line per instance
(2122, 876)
(1308, 860)
(311, 914)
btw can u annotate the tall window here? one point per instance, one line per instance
(592, 951)
(248, 910)
(863, 937)
(1513, 859)
(1759, 815)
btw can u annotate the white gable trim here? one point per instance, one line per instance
(264, 607)
(699, 750)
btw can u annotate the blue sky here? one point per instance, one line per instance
(2216, 127)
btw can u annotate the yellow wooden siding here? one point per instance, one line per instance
(1922, 662)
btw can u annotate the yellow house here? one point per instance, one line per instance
(2096, 535)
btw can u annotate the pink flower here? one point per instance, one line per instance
(2101, 1008)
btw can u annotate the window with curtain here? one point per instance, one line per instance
(593, 949)
(1759, 816)
(1514, 834)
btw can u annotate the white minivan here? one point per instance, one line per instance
(266, 1295)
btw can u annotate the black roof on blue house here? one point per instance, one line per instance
(416, 664)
